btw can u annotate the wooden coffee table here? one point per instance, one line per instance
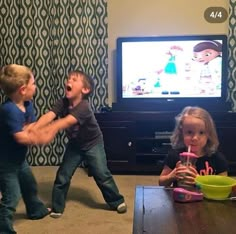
(156, 212)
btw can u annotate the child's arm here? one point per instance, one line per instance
(61, 124)
(23, 137)
(31, 133)
(45, 119)
(31, 136)
(167, 176)
(45, 134)
(43, 131)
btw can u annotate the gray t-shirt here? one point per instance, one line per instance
(86, 132)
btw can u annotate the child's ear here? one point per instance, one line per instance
(85, 90)
(22, 89)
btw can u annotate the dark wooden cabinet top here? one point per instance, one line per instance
(157, 116)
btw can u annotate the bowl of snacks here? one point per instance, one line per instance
(215, 187)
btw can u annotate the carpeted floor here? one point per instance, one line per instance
(86, 211)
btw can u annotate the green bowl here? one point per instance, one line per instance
(215, 187)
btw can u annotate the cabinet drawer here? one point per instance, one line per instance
(118, 140)
(152, 146)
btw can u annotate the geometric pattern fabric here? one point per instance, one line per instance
(232, 54)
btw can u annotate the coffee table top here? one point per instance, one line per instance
(156, 212)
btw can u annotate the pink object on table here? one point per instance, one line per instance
(184, 195)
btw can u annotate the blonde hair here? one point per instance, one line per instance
(177, 140)
(13, 76)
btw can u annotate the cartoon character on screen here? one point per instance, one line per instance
(169, 81)
(208, 55)
(170, 67)
(141, 87)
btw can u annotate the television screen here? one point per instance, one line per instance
(174, 68)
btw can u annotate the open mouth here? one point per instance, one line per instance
(68, 88)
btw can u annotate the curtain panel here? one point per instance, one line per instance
(232, 54)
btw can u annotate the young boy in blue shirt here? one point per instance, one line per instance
(16, 177)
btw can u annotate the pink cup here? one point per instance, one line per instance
(187, 159)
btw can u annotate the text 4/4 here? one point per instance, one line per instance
(215, 14)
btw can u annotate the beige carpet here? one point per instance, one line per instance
(86, 212)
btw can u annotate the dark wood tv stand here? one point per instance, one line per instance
(137, 142)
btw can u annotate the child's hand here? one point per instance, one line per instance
(28, 127)
(180, 171)
(188, 174)
(42, 136)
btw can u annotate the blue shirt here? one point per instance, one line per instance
(12, 120)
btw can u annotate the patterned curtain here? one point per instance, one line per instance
(232, 54)
(53, 37)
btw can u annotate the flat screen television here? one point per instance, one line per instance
(170, 72)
